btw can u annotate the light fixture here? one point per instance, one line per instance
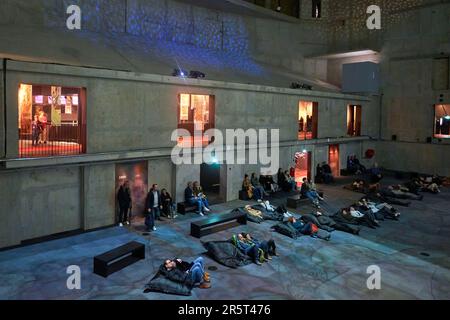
(177, 72)
(447, 117)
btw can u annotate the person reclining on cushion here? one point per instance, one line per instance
(381, 208)
(308, 228)
(192, 274)
(268, 247)
(249, 248)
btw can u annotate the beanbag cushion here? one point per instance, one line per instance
(225, 253)
(163, 285)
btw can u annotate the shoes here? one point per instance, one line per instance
(207, 209)
(154, 228)
(205, 285)
(201, 214)
(121, 224)
(206, 278)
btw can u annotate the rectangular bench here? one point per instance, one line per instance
(297, 200)
(216, 223)
(118, 258)
(183, 208)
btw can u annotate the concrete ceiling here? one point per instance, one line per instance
(124, 52)
(242, 8)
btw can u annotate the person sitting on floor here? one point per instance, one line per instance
(198, 192)
(290, 181)
(375, 173)
(192, 200)
(282, 182)
(257, 185)
(192, 274)
(169, 209)
(252, 192)
(327, 173)
(312, 195)
(268, 183)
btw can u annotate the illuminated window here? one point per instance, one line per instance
(196, 114)
(354, 121)
(307, 120)
(51, 121)
(442, 121)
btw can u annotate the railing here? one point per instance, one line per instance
(67, 139)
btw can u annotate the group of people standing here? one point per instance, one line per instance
(39, 128)
(158, 203)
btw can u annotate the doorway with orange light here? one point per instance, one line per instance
(302, 167)
(333, 159)
(136, 173)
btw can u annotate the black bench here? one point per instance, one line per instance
(216, 223)
(183, 208)
(118, 258)
(298, 200)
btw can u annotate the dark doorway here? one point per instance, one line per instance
(210, 182)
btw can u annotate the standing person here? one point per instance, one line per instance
(35, 131)
(168, 205)
(154, 205)
(124, 199)
(43, 122)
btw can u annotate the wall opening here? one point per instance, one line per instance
(316, 9)
(333, 159)
(442, 121)
(136, 173)
(354, 114)
(302, 167)
(51, 121)
(307, 120)
(210, 182)
(196, 114)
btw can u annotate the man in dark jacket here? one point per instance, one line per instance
(190, 274)
(154, 206)
(124, 199)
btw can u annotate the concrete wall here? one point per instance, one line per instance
(413, 34)
(39, 203)
(2, 113)
(98, 196)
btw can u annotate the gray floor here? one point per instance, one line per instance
(307, 268)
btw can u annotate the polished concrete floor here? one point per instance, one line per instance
(413, 255)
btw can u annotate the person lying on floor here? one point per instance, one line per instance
(309, 193)
(328, 224)
(429, 185)
(353, 216)
(253, 249)
(191, 274)
(309, 229)
(380, 210)
(376, 196)
(396, 192)
(268, 247)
